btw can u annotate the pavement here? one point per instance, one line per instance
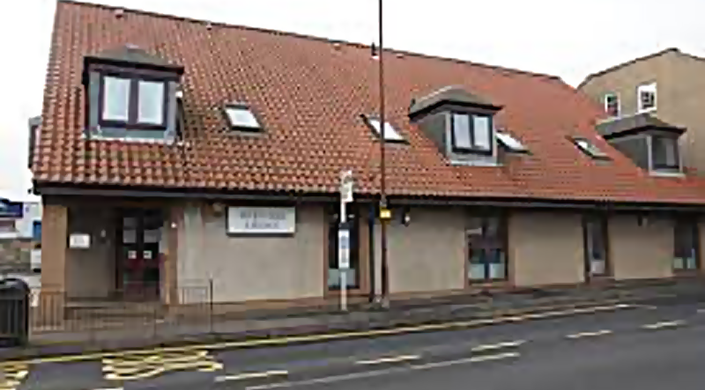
(633, 346)
(140, 333)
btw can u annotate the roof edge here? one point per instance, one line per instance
(629, 62)
(312, 37)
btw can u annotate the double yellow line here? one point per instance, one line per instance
(325, 336)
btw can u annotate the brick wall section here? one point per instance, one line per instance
(54, 242)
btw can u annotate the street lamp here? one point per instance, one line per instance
(384, 213)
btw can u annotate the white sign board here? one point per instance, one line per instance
(346, 187)
(261, 220)
(343, 249)
(79, 241)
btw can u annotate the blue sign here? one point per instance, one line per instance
(10, 209)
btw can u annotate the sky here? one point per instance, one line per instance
(566, 38)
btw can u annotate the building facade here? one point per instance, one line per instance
(203, 153)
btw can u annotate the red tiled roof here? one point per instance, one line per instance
(309, 94)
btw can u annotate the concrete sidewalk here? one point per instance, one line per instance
(324, 320)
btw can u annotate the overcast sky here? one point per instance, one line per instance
(567, 38)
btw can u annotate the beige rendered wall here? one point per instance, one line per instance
(247, 268)
(54, 239)
(428, 254)
(545, 248)
(640, 252)
(90, 273)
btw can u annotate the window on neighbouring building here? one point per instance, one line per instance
(596, 257)
(664, 153)
(646, 97)
(612, 104)
(133, 102)
(589, 148)
(471, 133)
(241, 116)
(685, 251)
(390, 133)
(486, 243)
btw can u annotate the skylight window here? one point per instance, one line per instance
(511, 143)
(390, 133)
(241, 117)
(589, 149)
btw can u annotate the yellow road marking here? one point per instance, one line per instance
(321, 336)
(492, 347)
(390, 359)
(589, 334)
(134, 367)
(664, 324)
(251, 375)
(12, 376)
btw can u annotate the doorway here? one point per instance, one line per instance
(138, 253)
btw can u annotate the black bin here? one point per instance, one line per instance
(14, 312)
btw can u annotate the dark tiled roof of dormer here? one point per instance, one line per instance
(450, 94)
(309, 94)
(634, 123)
(131, 54)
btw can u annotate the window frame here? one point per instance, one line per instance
(646, 87)
(503, 240)
(243, 106)
(694, 229)
(369, 119)
(606, 104)
(592, 151)
(664, 167)
(132, 122)
(602, 220)
(503, 137)
(471, 129)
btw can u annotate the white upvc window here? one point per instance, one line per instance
(611, 101)
(646, 97)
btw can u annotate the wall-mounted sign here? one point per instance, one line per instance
(261, 220)
(10, 209)
(79, 241)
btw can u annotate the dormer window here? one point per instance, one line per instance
(133, 102)
(131, 94)
(471, 133)
(664, 153)
(241, 117)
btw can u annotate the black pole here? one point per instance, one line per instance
(383, 196)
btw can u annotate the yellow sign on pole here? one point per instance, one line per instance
(385, 214)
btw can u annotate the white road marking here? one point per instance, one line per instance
(589, 334)
(664, 324)
(391, 359)
(491, 347)
(370, 374)
(701, 311)
(251, 375)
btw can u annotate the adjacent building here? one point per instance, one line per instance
(20, 236)
(174, 151)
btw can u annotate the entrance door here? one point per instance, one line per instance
(138, 253)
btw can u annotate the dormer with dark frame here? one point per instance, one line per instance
(132, 95)
(460, 123)
(650, 142)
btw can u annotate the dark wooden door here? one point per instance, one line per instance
(138, 253)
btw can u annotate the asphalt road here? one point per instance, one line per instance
(637, 348)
